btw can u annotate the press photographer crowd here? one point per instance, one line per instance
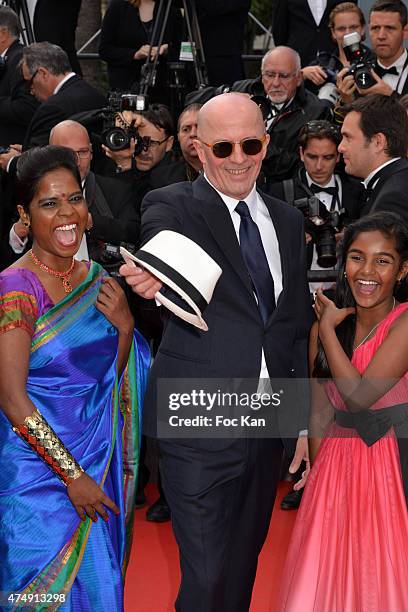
(225, 228)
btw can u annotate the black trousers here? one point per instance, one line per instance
(221, 504)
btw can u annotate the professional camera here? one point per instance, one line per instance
(360, 68)
(322, 225)
(116, 137)
(110, 258)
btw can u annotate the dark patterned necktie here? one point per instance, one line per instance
(255, 260)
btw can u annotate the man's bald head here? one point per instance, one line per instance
(281, 74)
(285, 54)
(231, 117)
(63, 131)
(229, 108)
(75, 136)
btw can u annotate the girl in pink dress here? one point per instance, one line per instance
(349, 549)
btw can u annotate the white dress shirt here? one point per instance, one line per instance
(397, 81)
(260, 215)
(317, 8)
(64, 80)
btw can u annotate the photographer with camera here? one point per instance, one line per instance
(150, 140)
(374, 148)
(112, 218)
(327, 198)
(321, 75)
(388, 31)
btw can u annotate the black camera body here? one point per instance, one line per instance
(322, 225)
(360, 68)
(119, 138)
(110, 258)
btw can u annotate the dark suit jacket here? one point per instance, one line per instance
(17, 105)
(233, 345)
(124, 225)
(390, 193)
(75, 96)
(294, 26)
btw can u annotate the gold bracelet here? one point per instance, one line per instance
(45, 442)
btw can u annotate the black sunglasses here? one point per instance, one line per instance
(224, 148)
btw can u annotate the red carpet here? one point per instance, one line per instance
(153, 573)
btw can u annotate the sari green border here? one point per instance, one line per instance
(131, 447)
(43, 331)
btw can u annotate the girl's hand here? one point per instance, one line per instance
(88, 498)
(112, 302)
(327, 312)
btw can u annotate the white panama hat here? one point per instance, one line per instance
(184, 267)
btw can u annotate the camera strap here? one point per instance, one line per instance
(335, 197)
(95, 197)
(289, 191)
(401, 75)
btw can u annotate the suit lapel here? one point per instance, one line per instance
(218, 219)
(283, 240)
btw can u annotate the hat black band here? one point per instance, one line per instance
(181, 282)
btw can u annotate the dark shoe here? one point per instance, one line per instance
(159, 512)
(292, 500)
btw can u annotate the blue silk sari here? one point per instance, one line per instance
(47, 554)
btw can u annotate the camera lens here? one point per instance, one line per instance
(326, 248)
(364, 79)
(116, 139)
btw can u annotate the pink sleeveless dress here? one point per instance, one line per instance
(349, 547)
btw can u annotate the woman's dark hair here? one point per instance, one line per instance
(33, 164)
(390, 225)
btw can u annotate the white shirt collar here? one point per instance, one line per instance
(4, 52)
(399, 63)
(64, 80)
(331, 183)
(231, 203)
(374, 172)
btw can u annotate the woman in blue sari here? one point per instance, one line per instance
(72, 377)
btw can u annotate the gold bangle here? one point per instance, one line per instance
(45, 442)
